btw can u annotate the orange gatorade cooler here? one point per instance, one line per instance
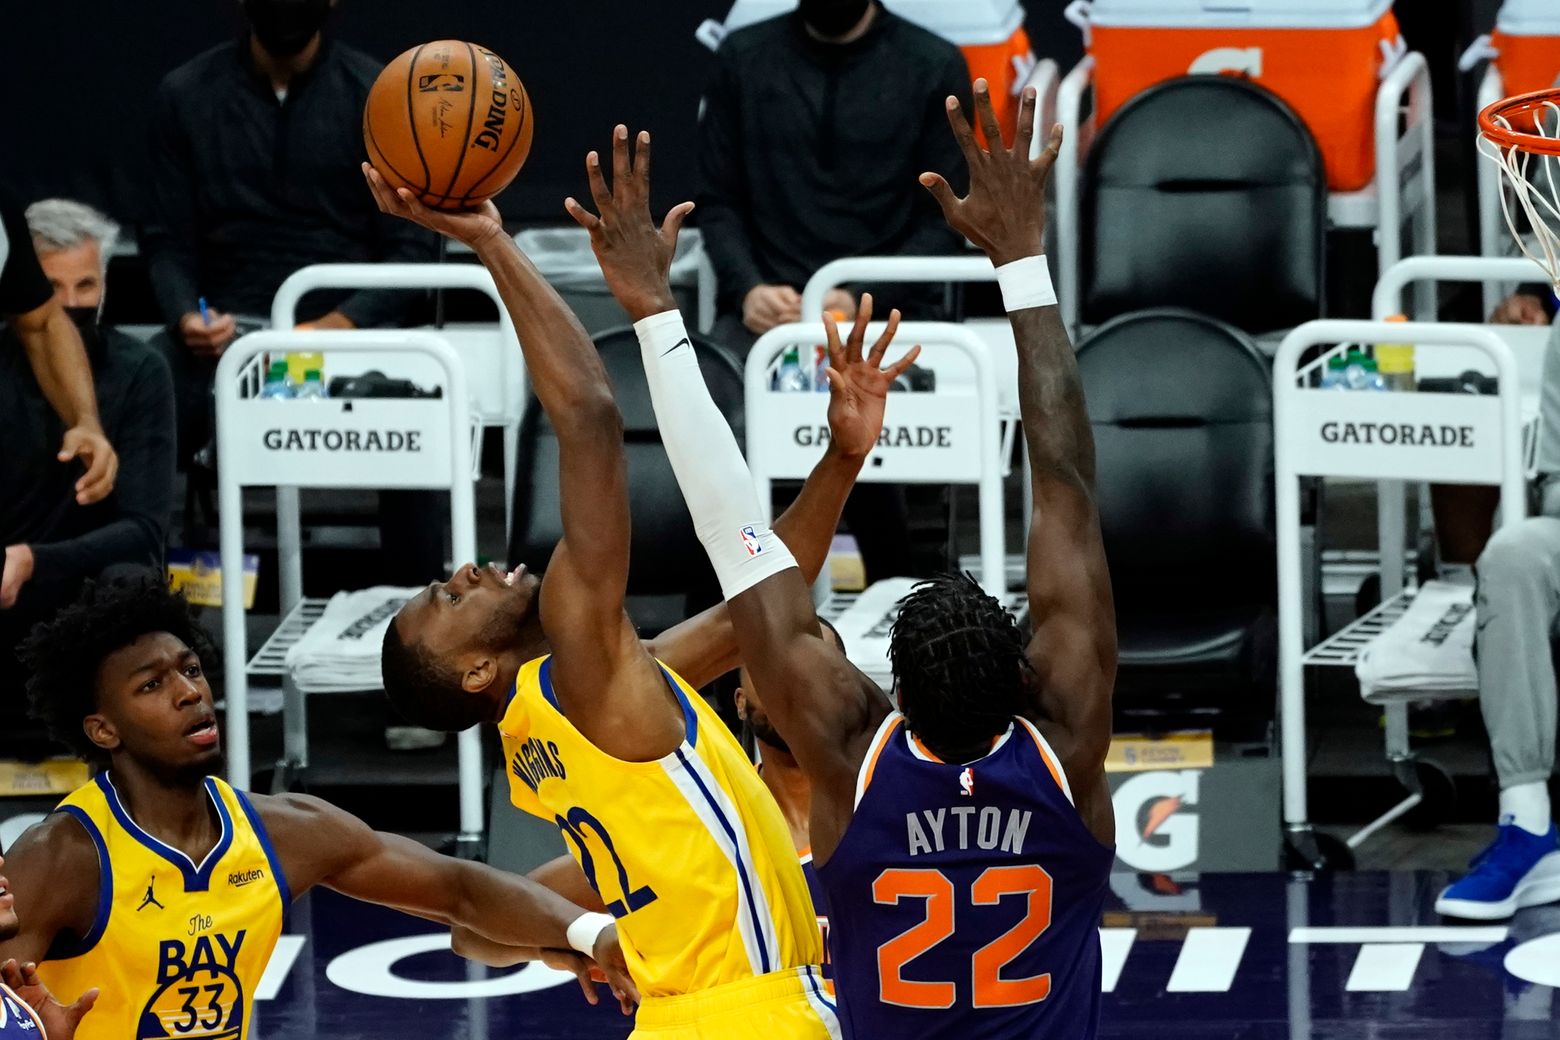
(1525, 46)
(989, 32)
(1325, 58)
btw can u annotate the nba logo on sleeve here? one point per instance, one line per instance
(750, 541)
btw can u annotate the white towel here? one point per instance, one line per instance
(340, 652)
(1429, 650)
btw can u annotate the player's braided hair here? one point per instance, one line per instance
(63, 655)
(959, 665)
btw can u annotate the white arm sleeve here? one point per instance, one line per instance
(710, 469)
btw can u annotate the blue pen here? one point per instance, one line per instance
(205, 315)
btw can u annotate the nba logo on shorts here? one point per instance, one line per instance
(750, 541)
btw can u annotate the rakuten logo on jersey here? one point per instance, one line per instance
(1156, 821)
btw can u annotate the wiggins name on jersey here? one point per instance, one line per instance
(177, 948)
(689, 852)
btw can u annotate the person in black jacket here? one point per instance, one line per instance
(814, 131)
(255, 152)
(52, 542)
(256, 146)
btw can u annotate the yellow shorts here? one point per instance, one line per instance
(783, 1005)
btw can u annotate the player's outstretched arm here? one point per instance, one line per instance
(583, 589)
(825, 708)
(705, 646)
(1073, 649)
(320, 844)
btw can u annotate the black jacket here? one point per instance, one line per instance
(247, 189)
(810, 152)
(38, 508)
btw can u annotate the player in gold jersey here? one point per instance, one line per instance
(168, 888)
(605, 735)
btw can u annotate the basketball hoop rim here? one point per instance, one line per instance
(1519, 105)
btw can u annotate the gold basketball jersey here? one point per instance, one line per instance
(177, 947)
(689, 852)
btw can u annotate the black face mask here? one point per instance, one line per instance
(833, 17)
(285, 27)
(86, 321)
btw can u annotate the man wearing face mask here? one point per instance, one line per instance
(256, 146)
(53, 543)
(255, 152)
(815, 128)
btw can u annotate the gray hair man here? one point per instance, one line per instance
(52, 541)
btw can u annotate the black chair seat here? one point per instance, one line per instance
(1181, 409)
(1210, 640)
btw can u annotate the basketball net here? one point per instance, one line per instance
(1521, 136)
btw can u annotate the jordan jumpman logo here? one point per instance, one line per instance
(151, 897)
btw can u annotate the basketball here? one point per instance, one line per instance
(449, 121)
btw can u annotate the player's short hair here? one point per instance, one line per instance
(57, 224)
(425, 691)
(959, 663)
(63, 655)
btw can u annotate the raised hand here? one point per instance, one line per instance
(858, 386)
(1004, 213)
(59, 1020)
(474, 227)
(635, 255)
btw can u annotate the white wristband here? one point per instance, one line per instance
(586, 927)
(1026, 283)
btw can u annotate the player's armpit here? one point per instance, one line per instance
(607, 684)
(53, 873)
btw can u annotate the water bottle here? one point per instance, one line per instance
(1355, 376)
(1371, 378)
(313, 388)
(821, 369)
(790, 377)
(277, 384)
(300, 361)
(1396, 362)
(1333, 377)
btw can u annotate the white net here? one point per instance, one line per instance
(1529, 190)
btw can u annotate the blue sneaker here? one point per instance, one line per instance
(1518, 869)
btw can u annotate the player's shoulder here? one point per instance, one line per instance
(293, 810)
(61, 844)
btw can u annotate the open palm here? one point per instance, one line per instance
(59, 1020)
(473, 227)
(858, 384)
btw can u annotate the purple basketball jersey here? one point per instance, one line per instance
(965, 899)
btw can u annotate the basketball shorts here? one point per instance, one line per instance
(783, 1005)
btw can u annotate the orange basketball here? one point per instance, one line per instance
(450, 121)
